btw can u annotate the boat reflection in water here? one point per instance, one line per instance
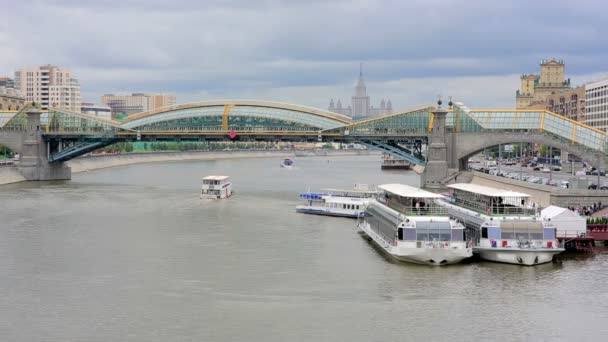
(409, 225)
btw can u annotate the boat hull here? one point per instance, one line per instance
(326, 212)
(518, 256)
(423, 256)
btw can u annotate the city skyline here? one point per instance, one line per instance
(303, 62)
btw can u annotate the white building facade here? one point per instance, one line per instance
(596, 104)
(136, 102)
(49, 86)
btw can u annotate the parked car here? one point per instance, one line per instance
(536, 168)
(557, 168)
(552, 182)
(604, 187)
(592, 187)
(546, 169)
(563, 184)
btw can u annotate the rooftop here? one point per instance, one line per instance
(216, 178)
(408, 191)
(486, 190)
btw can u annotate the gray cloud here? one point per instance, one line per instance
(305, 51)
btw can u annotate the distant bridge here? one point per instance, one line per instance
(64, 135)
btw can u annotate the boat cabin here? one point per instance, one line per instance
(409, 200)
(216, 187)
(491, 201)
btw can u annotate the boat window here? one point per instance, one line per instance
(494, 233)
(457, 235)
(357, 207)
(410, 234)
(400, 233)
(549, 234)
(433, 231)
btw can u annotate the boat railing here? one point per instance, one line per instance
(427, 210)
(498, 210)
(438, 244)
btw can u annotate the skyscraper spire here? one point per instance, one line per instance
(361, 69)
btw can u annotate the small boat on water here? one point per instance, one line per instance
(409, 225)
(287, 163)
(337, 202)
(216, 187)
(504, 227)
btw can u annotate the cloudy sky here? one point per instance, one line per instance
(306, 51)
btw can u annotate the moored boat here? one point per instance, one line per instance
(216, 187)
(504, 227)
(337, 202)
(409, 225)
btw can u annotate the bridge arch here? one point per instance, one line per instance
(466, 145)
(238, 115)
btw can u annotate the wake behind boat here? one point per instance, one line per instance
(503, 226)
(409, 225)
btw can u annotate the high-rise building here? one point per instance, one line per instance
(596, 104)
(569, 103)
(136, 102)
(49, 86)
(535, 89)
(360, 103)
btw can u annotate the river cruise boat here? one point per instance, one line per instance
(503, 226)
(216, 187)
(409, 225)
(337, 202)
(287, 163)
(392, 163)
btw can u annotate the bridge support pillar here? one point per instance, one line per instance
(437, 161)
(33, 162)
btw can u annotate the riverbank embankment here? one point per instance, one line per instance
(96, 162)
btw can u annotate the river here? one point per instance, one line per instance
(132, 254)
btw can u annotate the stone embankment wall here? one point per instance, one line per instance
(10, 174)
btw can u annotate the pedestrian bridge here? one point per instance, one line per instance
(67, 134)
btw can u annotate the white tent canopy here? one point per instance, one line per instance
(567, 222)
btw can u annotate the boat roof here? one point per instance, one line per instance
(340, 199)
(353, 191)
(216, 178)
(408, 191)
(486, 190)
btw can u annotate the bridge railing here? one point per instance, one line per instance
(197, 129)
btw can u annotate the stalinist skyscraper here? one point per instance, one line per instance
(360, 100)
(360, 103)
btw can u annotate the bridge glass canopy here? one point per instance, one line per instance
(240, 118)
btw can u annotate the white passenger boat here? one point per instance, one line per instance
(216, 187)
(503, 226)
(287, 163)
(409, 225)
(337, 202)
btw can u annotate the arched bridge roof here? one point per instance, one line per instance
(237, 115)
